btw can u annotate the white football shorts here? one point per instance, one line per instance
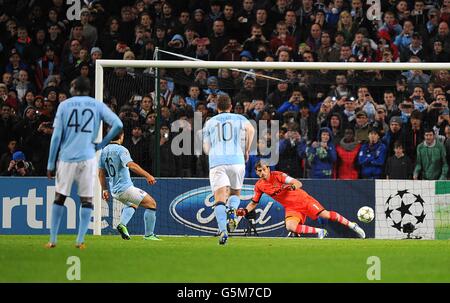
(84, 173)
(132, 195)
(227, 175)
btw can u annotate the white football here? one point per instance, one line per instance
(366, 214)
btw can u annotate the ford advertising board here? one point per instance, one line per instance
(184, 207)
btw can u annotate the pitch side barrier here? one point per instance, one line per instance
(403, 208)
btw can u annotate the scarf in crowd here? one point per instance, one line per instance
(348, 146)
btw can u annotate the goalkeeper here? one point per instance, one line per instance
(115, 159)
(298, 204)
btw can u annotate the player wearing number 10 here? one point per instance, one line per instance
(223, 136)
(72, 152)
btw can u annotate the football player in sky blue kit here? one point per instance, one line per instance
(116, 161)
(223, 136)
(72, 153)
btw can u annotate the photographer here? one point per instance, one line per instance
(18, 166)
(435, 109)
(231, 51)
(293, 104)
(129, 118)
(256, 40)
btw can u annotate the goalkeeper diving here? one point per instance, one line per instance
(298, 204)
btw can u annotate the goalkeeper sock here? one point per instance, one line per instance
(334, 216)
(233, 202)
(85, 219)
(149, 221)
(57, 213)
(221, 216)
(127, 214)
(305, 229)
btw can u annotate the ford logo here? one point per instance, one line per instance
(194, 210)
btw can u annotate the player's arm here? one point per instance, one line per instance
(55, 142)
(113, 120)
(252, 205)
(249, 134)
(290, 183)
(206, 146)
(134, 167)
(102, 178)
(293, 183)
(244, 211)
(206, 138)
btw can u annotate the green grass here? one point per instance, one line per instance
(201, 259)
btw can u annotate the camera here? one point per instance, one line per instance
(166, 136)
(20, 164)
(437, 104)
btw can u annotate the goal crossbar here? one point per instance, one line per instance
(275, 65)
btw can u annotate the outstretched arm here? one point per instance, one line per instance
(244, 211)
(141, 172)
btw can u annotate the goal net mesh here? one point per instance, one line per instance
(302, 103)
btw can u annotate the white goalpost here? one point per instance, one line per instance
(243, 67)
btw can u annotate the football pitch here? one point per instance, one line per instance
(201, 259)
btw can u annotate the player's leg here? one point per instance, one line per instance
(85, 214)
(220, 211)
(149, 217)
(336, 217)
(57, 213)
(86, 176)
(65, 173)
(127, 214)
(125, 217)
(294, 223)
(233, 204)
(220, 187)
(236, 175)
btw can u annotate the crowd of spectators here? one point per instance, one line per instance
(333, 124)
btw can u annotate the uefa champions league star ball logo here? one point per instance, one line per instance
(405, 210)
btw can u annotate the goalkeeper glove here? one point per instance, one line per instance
(241, 212)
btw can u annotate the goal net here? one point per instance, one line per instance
(291, 104)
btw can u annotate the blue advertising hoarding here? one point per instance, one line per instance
(184, 207)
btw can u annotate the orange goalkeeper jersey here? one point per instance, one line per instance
(276, 187)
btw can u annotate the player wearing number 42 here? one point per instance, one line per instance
(72, 153)
(298, 204)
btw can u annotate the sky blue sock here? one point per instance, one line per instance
(57, 213)
(221, 216)
(127, 214)
(149, 221)
(85, 218)
(233, 202)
